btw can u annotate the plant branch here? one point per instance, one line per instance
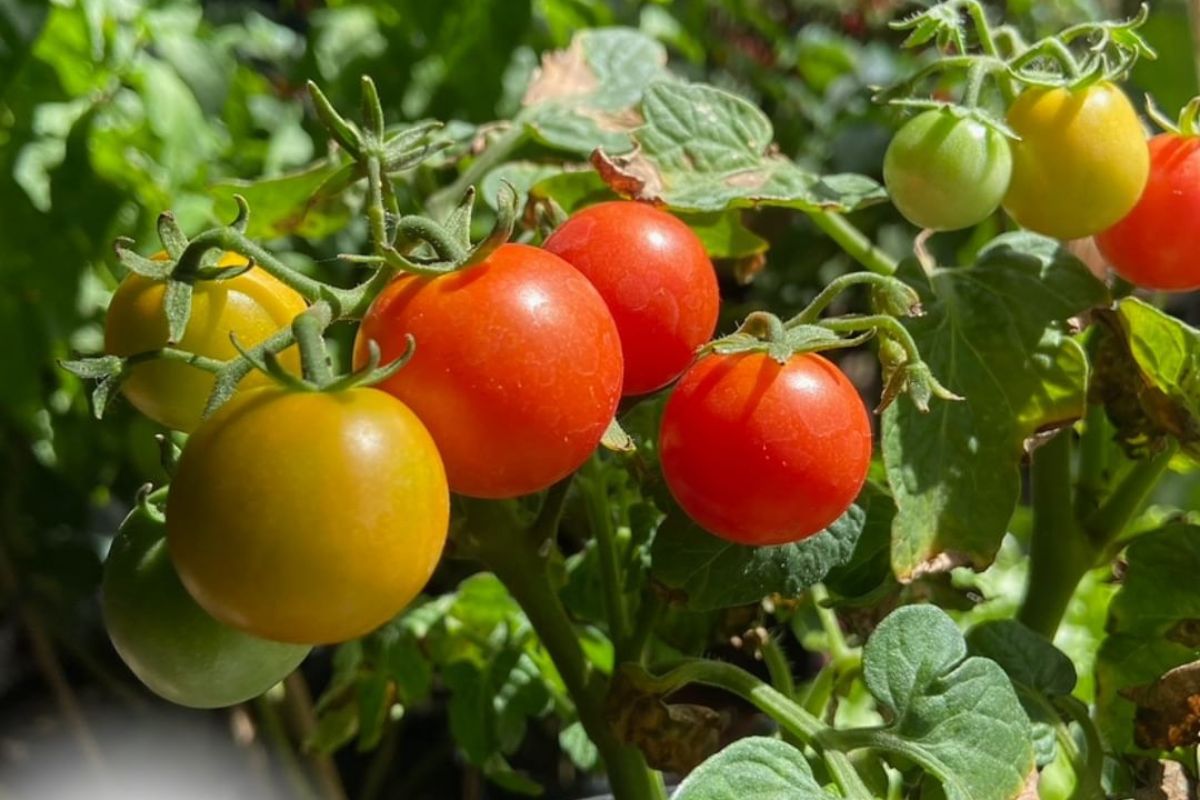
(595, 495)
(854, 242)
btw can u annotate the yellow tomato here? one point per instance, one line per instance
(308, 517)
(253, 305)
(1081, 163)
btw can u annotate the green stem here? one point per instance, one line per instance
(271, 722)
(595, 495)
(496, 153)
(298, 703)
(854, 242)
(1109, 521)
(376, 212)
(314, 357)
(812, 312)
(519, 560)
(1059, 553)
(413, 229)
(230, 239)
(820, 691)
(1093, 457)
(987, 43)
(778, 668)
(1089, 785)
(647, 617)
(791, 717)
(839, 651)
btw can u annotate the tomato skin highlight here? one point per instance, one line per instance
(657, 279)
(761, 453)
(253, 305)
(173, 646)
(1081, 163)
(1154, 246)
(945, 172)
(517, 369)
(308, 517)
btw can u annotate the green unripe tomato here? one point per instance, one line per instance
(168, 641)
(946, 172)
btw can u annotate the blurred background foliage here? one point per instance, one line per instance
(112, 111)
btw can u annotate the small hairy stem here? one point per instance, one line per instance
(271, 723)
(498, 150)
(987, 43)
(376, 211)
(183, 357)
(1059, 553)
(812, 312)
(1108, 521)
(595, 495)
(854, 242)
(839, 651)
(314, 356)
(1093, 457)
(412, 230)
(237, 242)
(778, 668)
(791, 717)
(643, 626)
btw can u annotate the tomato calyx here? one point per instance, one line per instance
(1188, 123)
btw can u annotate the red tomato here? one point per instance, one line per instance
(1154, 246)
(517, 370)
(657, 279)
(761, 453)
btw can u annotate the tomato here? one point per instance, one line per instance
(1081, 163)
(1154, 246)
(253, 305)
(761, 453)
(308, 517)
(945, 172)
(171, 644)
(656, 278)
(517, 369)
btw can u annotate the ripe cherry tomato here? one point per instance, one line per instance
(656, 278)
(1154, 246)
(253, 305)
(761, 453)
(172, 645)
(308, 517)
(945, 172)
(517, 369)
(1081, 163)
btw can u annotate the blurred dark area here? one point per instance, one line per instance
(111, 112)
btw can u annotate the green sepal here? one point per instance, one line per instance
(177, 305)
(372, 109)
(617, 439)
(242, 220)
(94, 368)
(342, 131)
(173, 240)
(458, 221)
(139, 264)
(506, 221)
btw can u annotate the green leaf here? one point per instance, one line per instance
(578, 746)
(955, 715)
(1154, 627)
(20, 23)
(1148, 377)
(287, 204)
(754, 768)
(573, 190)
(869, 566)
(725, 235)
(704, 149)
(586, 96)
(1029, 659)
(714, 573)
(994, 333)
(374, 705)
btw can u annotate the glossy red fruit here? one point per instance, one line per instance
(517, 369)
(761, 453)
(654, 274)
(1154, 246)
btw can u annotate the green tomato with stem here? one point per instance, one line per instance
(946, 172)
(171, 644)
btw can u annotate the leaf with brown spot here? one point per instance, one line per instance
(704, 149)
(1163, 780)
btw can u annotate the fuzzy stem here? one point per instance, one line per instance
(595, 494)
(853, 241)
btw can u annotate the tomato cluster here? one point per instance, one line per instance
(303, 514)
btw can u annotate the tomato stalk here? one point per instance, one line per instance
(518, 555)
(854, 242)
(793, 719)
(596, 500)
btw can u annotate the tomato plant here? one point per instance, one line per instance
(944, 172)
(545, 422)
(308, 517)
(252, 306)
(517, 370)
(797, 432)
(656, 278)
(168, 641)
(1081, 162)
(1151, 245)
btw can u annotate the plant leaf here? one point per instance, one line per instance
(754, 768)
(1154, 628)
(955, 715)
(704, 149)
(714, 573)
(995, 334)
